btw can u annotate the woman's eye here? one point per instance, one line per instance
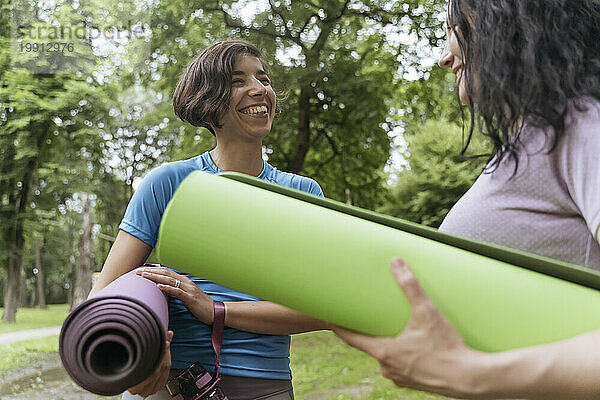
(237, 81)
(266, 81)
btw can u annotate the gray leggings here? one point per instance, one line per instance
(236, 388)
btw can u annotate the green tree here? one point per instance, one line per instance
(49, 125)
(430, 97)
(437, 176)
(55, 124)
(342, 63)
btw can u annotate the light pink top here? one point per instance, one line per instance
(551, 206)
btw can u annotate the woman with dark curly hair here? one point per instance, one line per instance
(529, 72)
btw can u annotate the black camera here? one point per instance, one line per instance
(195, 383)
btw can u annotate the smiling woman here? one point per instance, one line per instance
(252, 104)
(225, 89)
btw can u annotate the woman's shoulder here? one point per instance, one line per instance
(581, 137)
(173, 169)
(296, 181)
(167, 176)
(583, 113)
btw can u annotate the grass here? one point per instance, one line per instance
(324, 368)
(26, 353)
(32, 318)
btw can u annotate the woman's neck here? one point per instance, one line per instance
(244, 157)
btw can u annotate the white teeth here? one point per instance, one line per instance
(255, 110)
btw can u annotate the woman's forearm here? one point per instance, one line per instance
(568, 369)
(126, 253)
(269, 318)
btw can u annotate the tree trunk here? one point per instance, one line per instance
(16, 244)
(303, 138)
(11, 289)
(348, 196)
(40, 281)
(11, 283)
(23, 301)
(85, 262)
(70, 269)
(7, 185)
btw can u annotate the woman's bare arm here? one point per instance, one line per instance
(250, 316)
(269, 318)
(126, 253)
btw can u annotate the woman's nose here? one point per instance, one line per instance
(446, 59)
(258, 88)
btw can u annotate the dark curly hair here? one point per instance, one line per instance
(203, 92)
(525, 61)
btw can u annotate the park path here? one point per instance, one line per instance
(19, 336)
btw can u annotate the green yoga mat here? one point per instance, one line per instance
(331, 261)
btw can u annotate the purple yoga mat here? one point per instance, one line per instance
(115, 339)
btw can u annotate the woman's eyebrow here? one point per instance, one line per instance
(259, 72)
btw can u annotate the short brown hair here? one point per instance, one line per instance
(203, 92)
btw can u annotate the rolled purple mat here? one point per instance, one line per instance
(115, 339)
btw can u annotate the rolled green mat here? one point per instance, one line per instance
(331, 261)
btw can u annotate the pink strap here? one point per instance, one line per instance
(217, 333)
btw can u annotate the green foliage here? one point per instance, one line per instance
(438, 176)
(52, 128)
(342, 63)
(348, 109)
(431, 97)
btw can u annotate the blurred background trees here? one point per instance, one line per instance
(366, 112)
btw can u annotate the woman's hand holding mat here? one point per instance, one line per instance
(159, 377)
(430, 355)
(413, 358)
(182, 287)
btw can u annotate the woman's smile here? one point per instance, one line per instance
(256, 111)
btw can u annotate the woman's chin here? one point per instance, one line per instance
(258, 134)
(261, 132)
(464, 98)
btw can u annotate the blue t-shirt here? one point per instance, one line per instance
(243, 353)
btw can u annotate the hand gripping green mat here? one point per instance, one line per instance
(332, 261)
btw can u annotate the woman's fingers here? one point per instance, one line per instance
(423, 308)
(182, 288)
(160, 271)
(179, 292)
(166, 277)
(408, 282)
(369, 344)
(159, 377)
(412, 358)
(376, 346)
